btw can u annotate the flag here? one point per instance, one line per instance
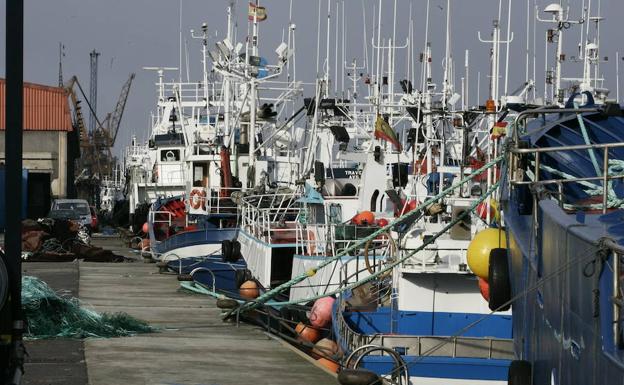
(385, 132)
(259, 12)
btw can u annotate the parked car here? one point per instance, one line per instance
(94, 219)
(74, 209)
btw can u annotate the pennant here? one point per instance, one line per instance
(385, 132)
(257, 11)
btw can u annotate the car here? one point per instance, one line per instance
(94, 219)
(74, 209)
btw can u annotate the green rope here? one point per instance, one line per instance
(392, 265)
(50, 315)
(592, 155)
(273, 292)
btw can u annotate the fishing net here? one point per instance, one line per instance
(50, 315)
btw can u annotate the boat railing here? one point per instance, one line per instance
(426, 345)
(331, 239)
(617, 298)
(271, 218)
(153, 217)
(518, 157)
(192, 91)
(216, 200)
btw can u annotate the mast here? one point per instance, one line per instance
(253, 92)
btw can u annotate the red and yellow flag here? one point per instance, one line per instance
(257, 11)
(385, 132)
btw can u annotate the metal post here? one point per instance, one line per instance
(616, 291)
(605, 178)
(13, 184)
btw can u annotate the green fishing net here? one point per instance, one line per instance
(50, 315)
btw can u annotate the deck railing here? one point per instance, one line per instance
(426, 345)
(271, 218)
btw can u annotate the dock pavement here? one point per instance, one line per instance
(192, 347)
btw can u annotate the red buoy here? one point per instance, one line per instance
(484, 287)
(321, 313)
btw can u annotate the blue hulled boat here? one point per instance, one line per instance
(562, 201)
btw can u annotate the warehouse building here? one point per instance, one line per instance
(50, 147)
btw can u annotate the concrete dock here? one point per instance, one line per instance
(193, 345)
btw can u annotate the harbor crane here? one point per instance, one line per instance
(96, 160)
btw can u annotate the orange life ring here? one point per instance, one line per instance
(196, 203)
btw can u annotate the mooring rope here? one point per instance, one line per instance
(279, 289)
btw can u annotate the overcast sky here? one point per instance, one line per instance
(136, 33)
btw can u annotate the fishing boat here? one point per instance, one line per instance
(240, 141)
(561, 270)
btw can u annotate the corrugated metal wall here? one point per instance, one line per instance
(45, 108)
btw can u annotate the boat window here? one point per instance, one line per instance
(318, 214)
(200, 175)
(335, 213)
(169, 155)
(373, 204)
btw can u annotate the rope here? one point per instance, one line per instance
(592, 155)
(589, 253)
(271, 293)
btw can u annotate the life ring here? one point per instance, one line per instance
(196, 203)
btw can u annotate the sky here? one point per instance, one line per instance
(137, 33)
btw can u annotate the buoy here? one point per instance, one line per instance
(145, 245)
(330, 365)
(478, 253)
(307, 333)
(249, 290)
(382, 222)
(321, 313)
(145, 228)
(484, 287)
(363, 218)
(325, 348)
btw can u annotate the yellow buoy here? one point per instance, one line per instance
(478, 253)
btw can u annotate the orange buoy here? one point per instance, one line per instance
(321, 313)
(145, 228)
(249, 290)
(325, 348)
(145, 244)
(382, 222)
(363, 218)
(484, 287)
(307, 333)
(330, 365)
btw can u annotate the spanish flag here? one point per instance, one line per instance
(257, 11)
(385, 132)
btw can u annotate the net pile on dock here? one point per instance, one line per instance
(50, 315)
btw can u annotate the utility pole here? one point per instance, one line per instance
(11, 316)
(93, 55)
